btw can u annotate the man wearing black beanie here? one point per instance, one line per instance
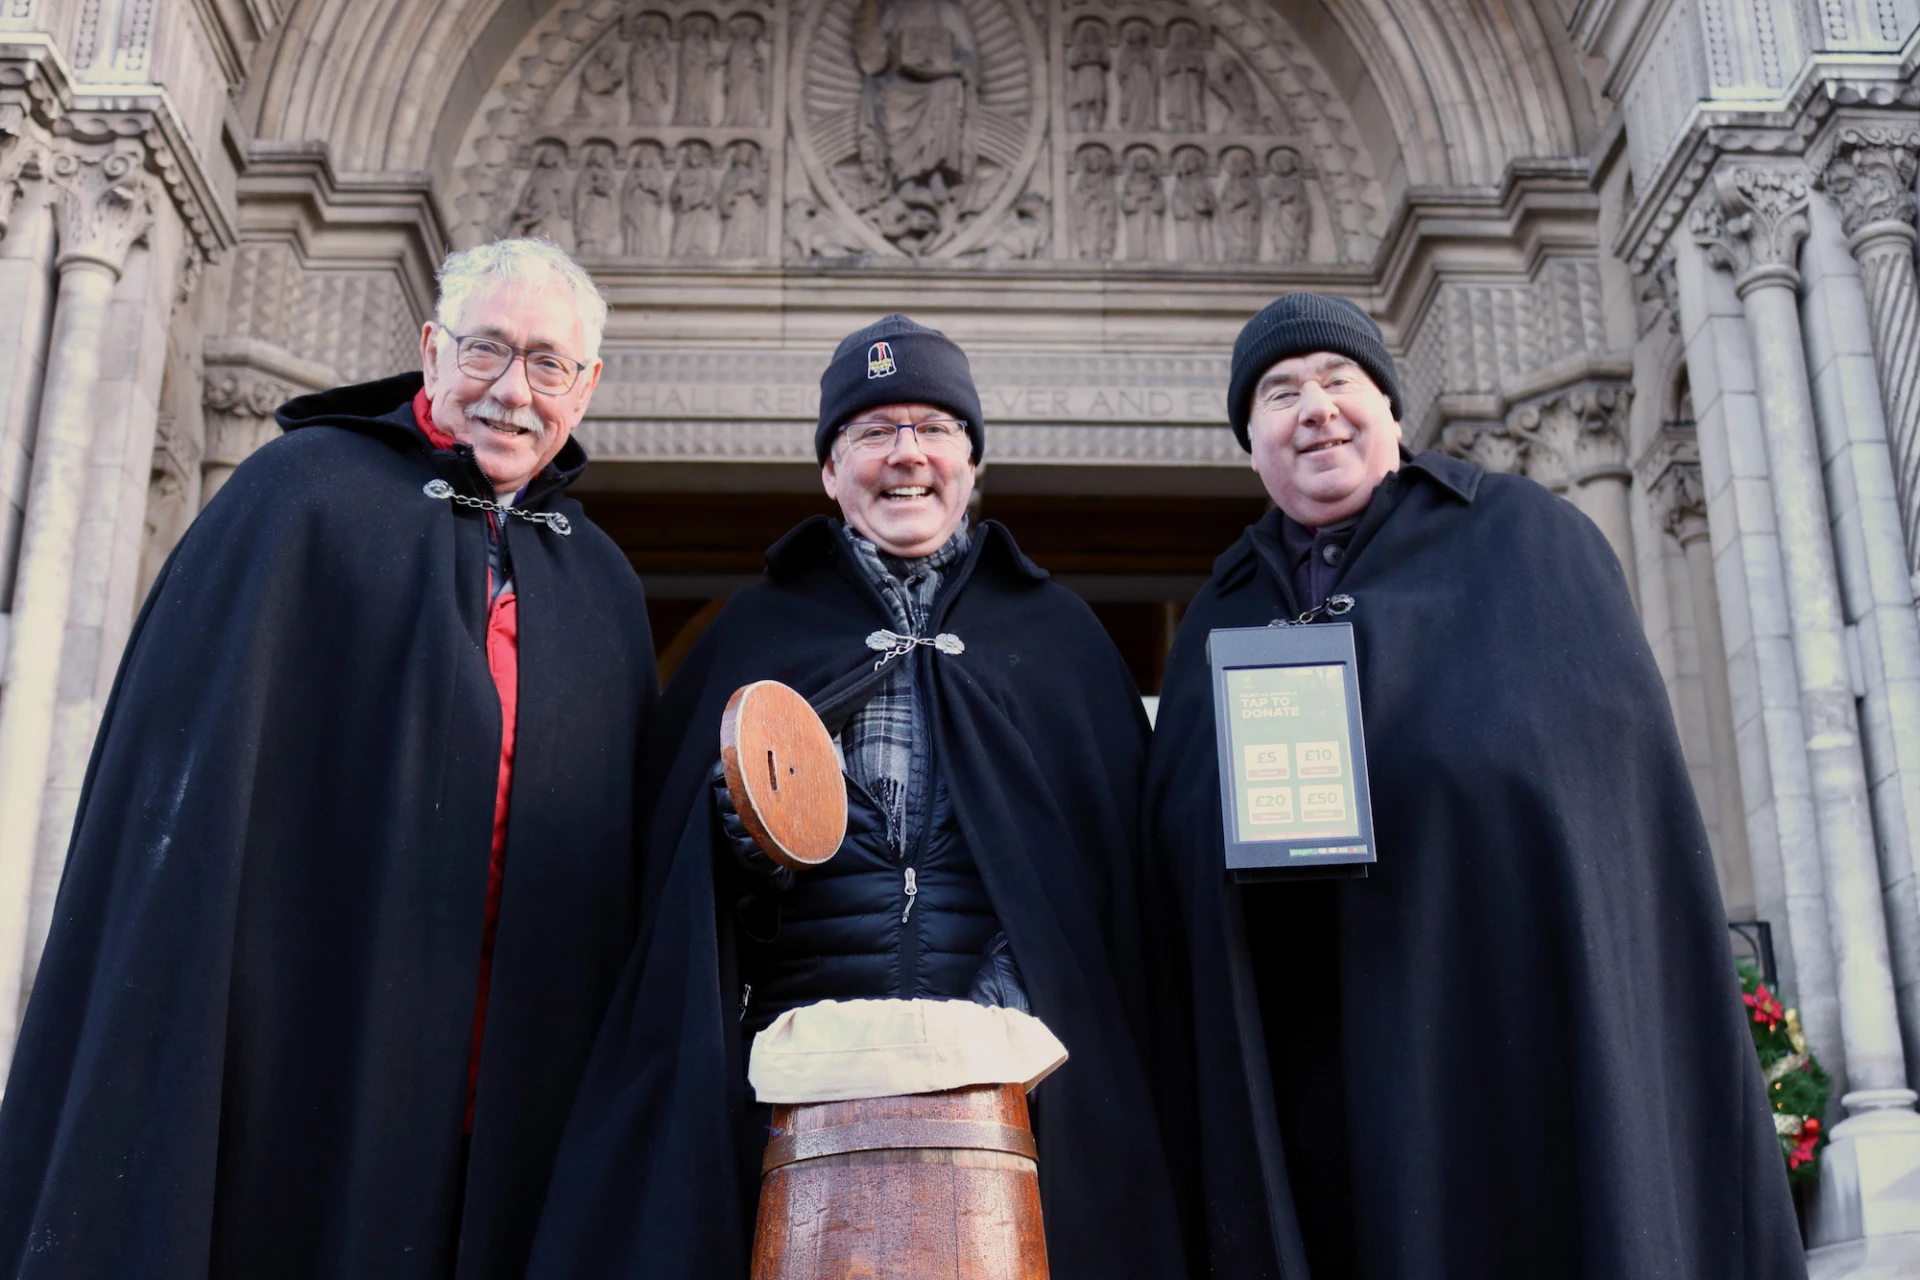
(993, 742)
(1515, 1048)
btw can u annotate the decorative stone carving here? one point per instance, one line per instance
(542, 207)
(1192, 205)
(912, 127)
(1095, 211)
(643, 204)
(701, 66)
(596, 204)
(1659, 296)
(1184, 75)
(1025, 233)
(743, 204)
(1287, 214)
(600, 83)
(17, 157)
(692, 199)
(1870, 175)
(1139, 78)
(103, 199)
(1145, 205)
(1563, 440)
(1757, 222)
(1679, 497)
(746, 68)
(1089, 58)
(650, 69)
(1240, 207)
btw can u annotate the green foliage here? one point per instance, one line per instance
(1797, 1088)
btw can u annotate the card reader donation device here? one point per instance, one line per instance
(1293, 761)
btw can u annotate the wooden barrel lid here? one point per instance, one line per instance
(783, 774)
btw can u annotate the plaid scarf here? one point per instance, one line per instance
(885, 743)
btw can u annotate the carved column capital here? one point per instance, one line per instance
(1660, 296)
(1485, 444)
(1752, 223)
(1575, 435)
(1675, 486)
(1869, 175)
(20, 168)
(104, 200)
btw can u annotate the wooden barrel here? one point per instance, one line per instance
(933, 1186)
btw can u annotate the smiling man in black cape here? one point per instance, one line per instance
(991, 852)
(1515, 1049)
(352, 877)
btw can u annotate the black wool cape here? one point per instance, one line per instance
(1039, 733)
(1517, 1048)
(247, 1048)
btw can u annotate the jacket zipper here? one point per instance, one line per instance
(913, 891)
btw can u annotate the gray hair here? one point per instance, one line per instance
(529, 261)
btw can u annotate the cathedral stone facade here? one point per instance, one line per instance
(1658, 255)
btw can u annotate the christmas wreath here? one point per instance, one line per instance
(1796, 1086)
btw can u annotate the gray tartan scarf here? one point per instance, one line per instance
(885, 743)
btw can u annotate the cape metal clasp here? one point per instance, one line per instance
(891, 644)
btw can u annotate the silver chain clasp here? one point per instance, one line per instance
(442, 491)
(1331, 607)
(891, 644)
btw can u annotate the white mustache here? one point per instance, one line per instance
(524, 418)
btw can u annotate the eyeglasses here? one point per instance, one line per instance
(936, 435)
(488, 359)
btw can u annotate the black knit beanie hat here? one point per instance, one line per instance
(895, 361)
(1298, 324)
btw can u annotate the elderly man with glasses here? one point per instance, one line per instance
(993, 742)
(352, 878)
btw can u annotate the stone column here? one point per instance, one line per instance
(1754, 229)
(1679, 497)
(105, 202)
(1870, 176)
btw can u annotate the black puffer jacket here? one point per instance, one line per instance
(844, 931)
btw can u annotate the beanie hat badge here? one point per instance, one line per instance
(880, 362)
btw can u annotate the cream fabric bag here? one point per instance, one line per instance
(839, 1050)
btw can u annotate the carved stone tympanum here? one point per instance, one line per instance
(929, 130)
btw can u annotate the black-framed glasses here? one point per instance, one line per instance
(548, 372)
(936, 435)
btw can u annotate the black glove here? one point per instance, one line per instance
(997, 982)
(745, 868)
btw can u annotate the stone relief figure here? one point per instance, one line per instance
(1139, 77)
(1144, 204)
(746, 70)
(919, 104)
(1239, 207)
(1027, 232)
(643, 204)
(691, 198)
(542, 209)
(811, 234)
(596, 204)
(1184, 72)
(1095, 211)
(1088, 58)
(650, 70)
(600, 83)
(743, 204)
(1193, 207)
(700, 70)
(1287, 212)
(1233, 85)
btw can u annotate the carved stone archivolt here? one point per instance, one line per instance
(989, 132)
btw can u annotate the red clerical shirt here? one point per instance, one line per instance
(503, 662)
